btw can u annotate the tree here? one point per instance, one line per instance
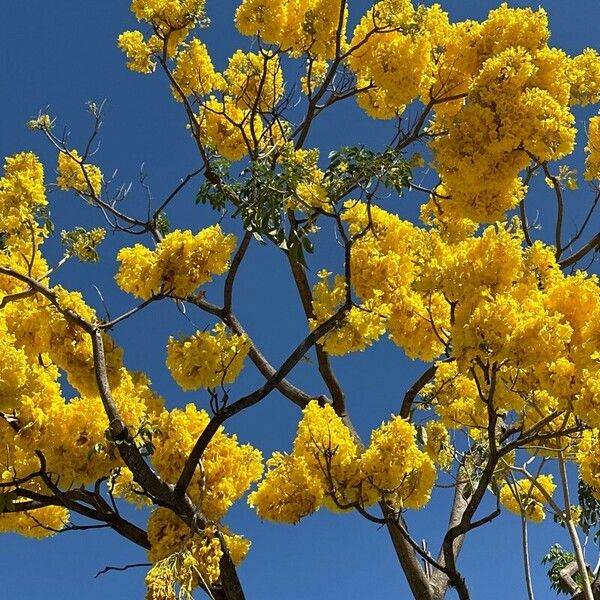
(504, 412)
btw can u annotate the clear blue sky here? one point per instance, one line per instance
(56, 56)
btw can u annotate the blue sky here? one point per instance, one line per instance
(58, 55)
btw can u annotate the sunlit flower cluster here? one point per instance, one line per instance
(295, 25)
(22, 192)
(592, 163)
(74, 174)
(194, 72)
(327, 468)
(208, 359)
(525, 496)
(185, 559)
(181, 262)
(226, 471)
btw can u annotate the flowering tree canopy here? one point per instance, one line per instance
(506, 317)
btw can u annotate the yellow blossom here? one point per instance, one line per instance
(139, 52)
(182, 262)
(207, 359)
(75, 175)
(227, 469)
(254, 80)
(592, 162)
(231, 130)
(194, 72)
(524, 497)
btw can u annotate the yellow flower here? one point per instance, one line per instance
(194, 72)
(139, 52)
(207, 359)
(592, 162)
(73, 174)
(182, 262)
(231, 130)
(524, 497)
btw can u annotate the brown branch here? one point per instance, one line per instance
(581, 253)
(123, 568)
(560, 209)
(233, 270)
(252, 399)
(174, 193)
(414, 390)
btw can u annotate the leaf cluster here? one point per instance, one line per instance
(356, 166)
(263, 187)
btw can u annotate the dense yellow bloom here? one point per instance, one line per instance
(139, 52)
(584, 73)
(290, 491)
(183, 559)
(327, 446)
(552, 74)
(181, 262)
(297, 26)
(588, 458)
(39, 523)
(513, 27)
(75, 175)
(476, 266)
(138, 273)
(255, 80)
(186, 261)
(227, 468)
(517, 98)
(322, 470)
(437, 444)
(524, 497)
(207, 359)
(71, 348)
(514, 327)
(194, 72)
(592, 162)
(393, 61)
(396, 468)
(455, 398)
(442, 216)
(325, 468)
(362, 324)
(232, 131)
(171, 19)
(587, 403)
(577, 299)
(385, 262)
(21, 193)
(266, 18)
(454, 59)
(22, 199)
(72, 434)
(13, 367)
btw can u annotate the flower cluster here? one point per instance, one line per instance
(526, 498)
(296, 25)
(182, 262)
(185, 559)
(207, 359)
(74, 174)
(227, 469)
(327, 468)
